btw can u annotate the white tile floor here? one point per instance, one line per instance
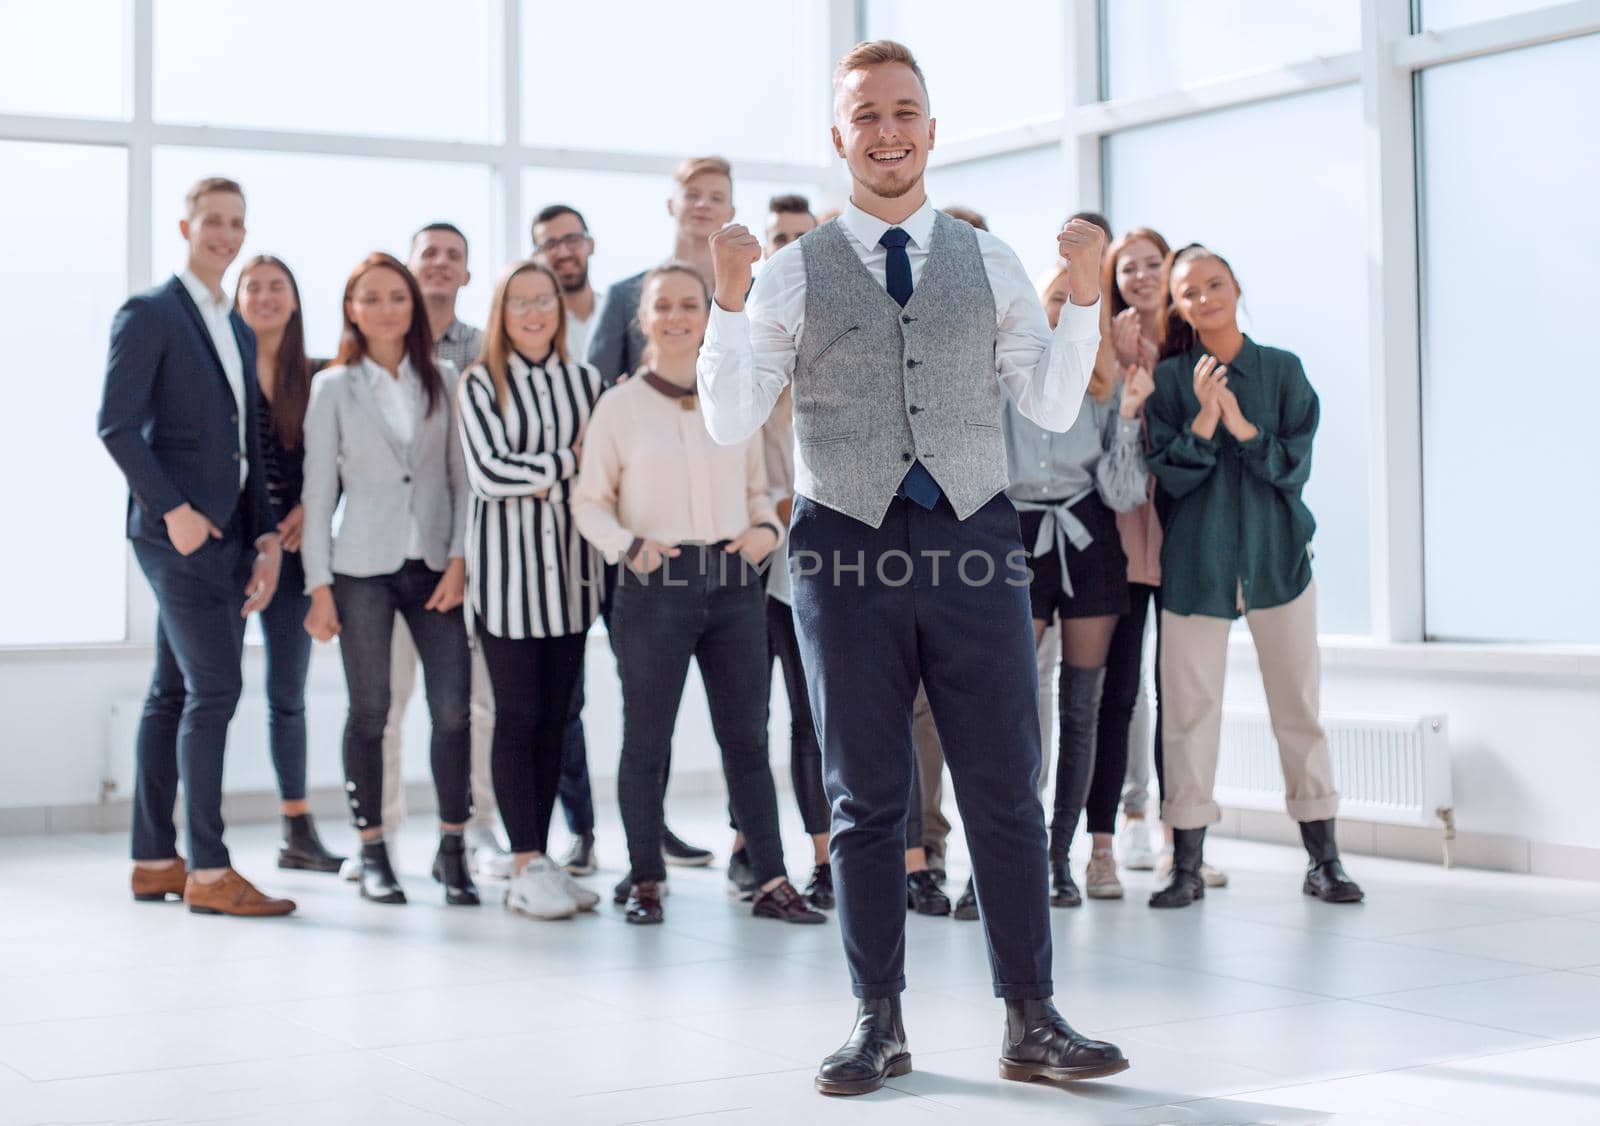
(1447, 997)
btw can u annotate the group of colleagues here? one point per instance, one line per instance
(644, 459)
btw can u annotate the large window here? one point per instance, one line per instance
(414, 68)
(1510, 390)
(63, 273)
(1022, 195)
(35, 77)
(1276, 189)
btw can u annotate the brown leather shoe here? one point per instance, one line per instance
(232, 895)
(785, 904)
(153, 885)
(644, 904)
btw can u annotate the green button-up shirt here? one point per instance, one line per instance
(1237, 533)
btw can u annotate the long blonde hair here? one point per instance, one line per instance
(1105, 375)
(497, 349)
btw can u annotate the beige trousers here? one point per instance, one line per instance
(930, 753)
(1194, 661)
(402, 683)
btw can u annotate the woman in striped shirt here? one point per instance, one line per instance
(533, 583)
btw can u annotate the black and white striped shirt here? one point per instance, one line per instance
(529, 573)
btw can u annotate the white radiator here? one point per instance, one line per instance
(1388, 768)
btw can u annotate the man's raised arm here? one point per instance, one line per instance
(747, 357)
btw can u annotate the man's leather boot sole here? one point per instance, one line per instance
(1029, 1072)
(900, 1065)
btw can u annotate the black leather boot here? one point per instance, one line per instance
(967, 905)
(1040, 1044)
(1186, 885)
(378, 881)
(876, 1051)
(450, 869)
(1325, 877)
(1080, 715)
(924, 896)
(303, 849)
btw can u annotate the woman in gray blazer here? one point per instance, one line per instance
(381, 431)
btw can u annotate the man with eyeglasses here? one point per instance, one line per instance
(561, 240)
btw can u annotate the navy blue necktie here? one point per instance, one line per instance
(918, 484)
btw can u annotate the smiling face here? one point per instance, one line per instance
(702, 205)
(1205, 294)
(1139, 275)
(439, 261)
(532, 313)
(673, 315)
(380, 306)
(266, 299)
(562, 244)
(214, 230)
(882, 128)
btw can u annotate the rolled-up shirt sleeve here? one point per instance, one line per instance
(747, 358)
(1046, 372)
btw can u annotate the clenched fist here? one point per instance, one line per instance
(1082, 245)
(734, 251)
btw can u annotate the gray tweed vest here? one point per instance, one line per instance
(877, 386)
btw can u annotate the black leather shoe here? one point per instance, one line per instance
(644, 904)
(1040, 1044)
(450, 869)
(938, 873)
(1063, 888)
(967, 905)
(378, 881)
(923, 895)
(742, 882)
(1325, 878)
(1186, 885)
(786, 905)
(303, 849)
(876, 1051)
(675, 850)
(819, 892)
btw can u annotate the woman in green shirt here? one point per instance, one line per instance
(1231, 426)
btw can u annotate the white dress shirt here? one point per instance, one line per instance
(748, 358)
(214, 311)
(578, 332)
(400, 400)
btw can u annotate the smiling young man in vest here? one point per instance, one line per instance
(901, 330)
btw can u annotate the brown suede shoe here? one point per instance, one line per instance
(153, 885)
(232, 895)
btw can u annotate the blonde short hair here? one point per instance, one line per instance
(693, 166)
(875, 51)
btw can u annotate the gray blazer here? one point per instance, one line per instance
(350, 449)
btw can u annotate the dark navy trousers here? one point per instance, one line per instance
(945, 601)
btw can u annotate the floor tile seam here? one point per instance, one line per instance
(1522, 972)
(768, 1052)
(405, 1065)
(1388, 941)
(1374, 1004)
(580, 1095)
(161, 1069)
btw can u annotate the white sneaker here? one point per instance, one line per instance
(487, 857)
(540, 892)
(1137, 855)
(582, 896)
(350, 870)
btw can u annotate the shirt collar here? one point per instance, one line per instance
(1248, 361)
(202, 296)
(868, 229)
(376, 371)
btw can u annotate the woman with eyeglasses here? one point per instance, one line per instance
(533, 583)
(380, 433)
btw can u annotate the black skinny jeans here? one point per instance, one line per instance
(1124, 676)
(805, 754)
(534, 681)
(707, 606)
(367, 607)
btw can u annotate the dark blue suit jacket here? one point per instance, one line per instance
(170, 420)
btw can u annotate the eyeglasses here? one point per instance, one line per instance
(545, 303)
(565, 242)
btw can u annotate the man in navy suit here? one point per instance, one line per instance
(179, 417)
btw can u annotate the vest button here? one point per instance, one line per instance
(905, 457)
(911, 363)
(914, 409)
(406, 479)
(905, 320)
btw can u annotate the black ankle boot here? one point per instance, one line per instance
(1186, 885)
(378, 881)
(1063, 888)
(303, 849)
(450, 869)
(876, 1051)
(1040, 1044)
(1325, 877)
